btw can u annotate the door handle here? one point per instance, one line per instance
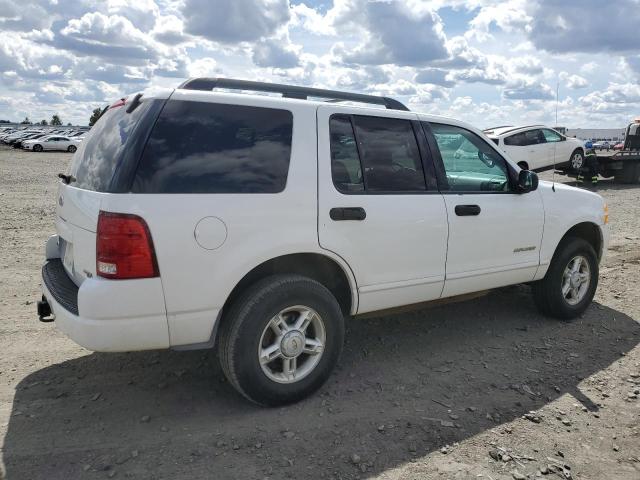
(467, 210)
(347, 213)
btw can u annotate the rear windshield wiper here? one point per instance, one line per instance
(67, 178)
(134, 103)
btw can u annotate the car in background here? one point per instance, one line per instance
(619, 146)
(602, 145)
(8, 139)
(32, 136)
(52, 142)
(538, 148)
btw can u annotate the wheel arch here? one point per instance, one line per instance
(322, 268)
(588, 231)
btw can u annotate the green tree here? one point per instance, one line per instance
(55, 120)
(95, 115)
(43, 122)
(26, 121)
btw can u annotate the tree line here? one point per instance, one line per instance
(55, 120)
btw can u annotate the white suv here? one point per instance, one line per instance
(257, 224)
(538, 148)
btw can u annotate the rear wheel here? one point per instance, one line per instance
(72, 148)
(577, 160)
(37, 148)
(281, 339)
(571, 281)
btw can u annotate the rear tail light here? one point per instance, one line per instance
(124, 248)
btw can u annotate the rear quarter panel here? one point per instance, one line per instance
(197, 281)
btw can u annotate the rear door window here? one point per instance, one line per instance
(202, 147)
(375, 154)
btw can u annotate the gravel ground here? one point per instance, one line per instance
(440, 393)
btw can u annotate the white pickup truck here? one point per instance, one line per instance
(257, 224)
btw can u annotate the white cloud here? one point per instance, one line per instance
(230, 21)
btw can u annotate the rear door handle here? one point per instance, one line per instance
(347, 213)
(467, 210)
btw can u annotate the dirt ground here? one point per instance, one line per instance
(439, 393)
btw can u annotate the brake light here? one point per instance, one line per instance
(118, 103)
(124, 247)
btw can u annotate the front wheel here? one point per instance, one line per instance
(37, 148)
(72, 148)
(571, 281)
(577, 160)
(281, 339)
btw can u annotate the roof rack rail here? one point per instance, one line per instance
(495, 128)
(289, 91)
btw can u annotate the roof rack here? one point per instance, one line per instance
(289, 91)
(495, 128)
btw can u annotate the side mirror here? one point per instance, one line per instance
(527, 181)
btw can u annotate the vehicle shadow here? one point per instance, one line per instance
(172, 415)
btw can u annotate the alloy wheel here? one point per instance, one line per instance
(292, 344)
(576, 279)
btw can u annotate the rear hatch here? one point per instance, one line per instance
(103, 165)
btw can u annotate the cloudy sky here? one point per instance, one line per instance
(484, 61)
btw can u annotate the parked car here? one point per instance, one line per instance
(52, 142)
(32, 136)
(192, 218)
(538, 148)
(8, 139)
(588, 144)
(602, 145)
(618, 146)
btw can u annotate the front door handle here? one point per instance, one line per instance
(467, 210)
(347, 213)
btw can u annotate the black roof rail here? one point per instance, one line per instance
(289, 91)
(495, 128)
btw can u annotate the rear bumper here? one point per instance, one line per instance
(107, 315)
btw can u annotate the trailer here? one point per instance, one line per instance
(624, 165)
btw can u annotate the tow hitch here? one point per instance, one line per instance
(44, 311)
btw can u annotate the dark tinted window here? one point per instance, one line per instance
(201, 147)
(390, 154)
(496, 141)
(345, 163)
(523, 139)
(95, 162)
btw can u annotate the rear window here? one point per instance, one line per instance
(101, 150)
(202, 147)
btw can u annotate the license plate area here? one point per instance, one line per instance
(66, 252)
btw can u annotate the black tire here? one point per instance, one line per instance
(37, 148)
(630, 173)
(523, 165)
(547, 293)
(246, 320)
(575, 163)
(72, 148)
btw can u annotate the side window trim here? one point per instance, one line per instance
(443, 184)
(358, 150)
